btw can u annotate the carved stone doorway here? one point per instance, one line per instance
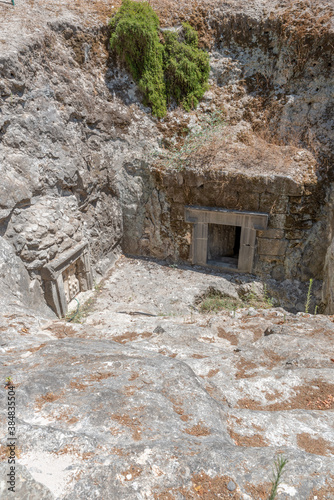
(223, 245)
(224, 238)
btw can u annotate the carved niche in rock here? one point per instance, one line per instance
(65, 277)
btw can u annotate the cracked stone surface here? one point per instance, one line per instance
(148, 397)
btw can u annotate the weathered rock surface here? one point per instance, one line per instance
(65, 138)
(17, 291)
(76, 141)
(148, 398)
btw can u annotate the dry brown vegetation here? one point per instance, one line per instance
(316, 445)
(326, 492)
(132, 423)
(69, 449)
(255, 440)
(85, 381)
(260, 491)
(231, 337)
(49, 397)
(242, 153)
(132, 473)
(62, 330)
(315, 395)
(131, 336)
(198, 430)
(302, 19)
(203, 487)
(5, 452)
(247, 368)
(180, 411)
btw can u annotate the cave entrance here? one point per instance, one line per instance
(223, 245)
(224, 238)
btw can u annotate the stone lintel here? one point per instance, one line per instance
(208, 215)
(52, 270)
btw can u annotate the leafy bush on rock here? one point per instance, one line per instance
(167, 68)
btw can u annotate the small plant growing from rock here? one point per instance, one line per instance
(251, 296)
(308, 297)
(213, 301)
(72, 316)
(268, 300)
(9, 381)
(216, 303)
(279, 464)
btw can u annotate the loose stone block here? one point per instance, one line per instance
(271, 234)
(272, 246)
(277, 221)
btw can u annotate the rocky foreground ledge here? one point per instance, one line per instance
(147, 397)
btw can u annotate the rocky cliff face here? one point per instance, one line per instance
(76, 142)
(328, 288)
(65, 138)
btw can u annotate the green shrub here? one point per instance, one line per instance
(172, 69)
(186, 67)
(136, 40)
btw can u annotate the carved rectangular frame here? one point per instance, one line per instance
(52, 275)
(249, 222)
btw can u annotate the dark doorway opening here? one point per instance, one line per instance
(223, 245)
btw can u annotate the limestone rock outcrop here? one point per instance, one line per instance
(150, 397)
